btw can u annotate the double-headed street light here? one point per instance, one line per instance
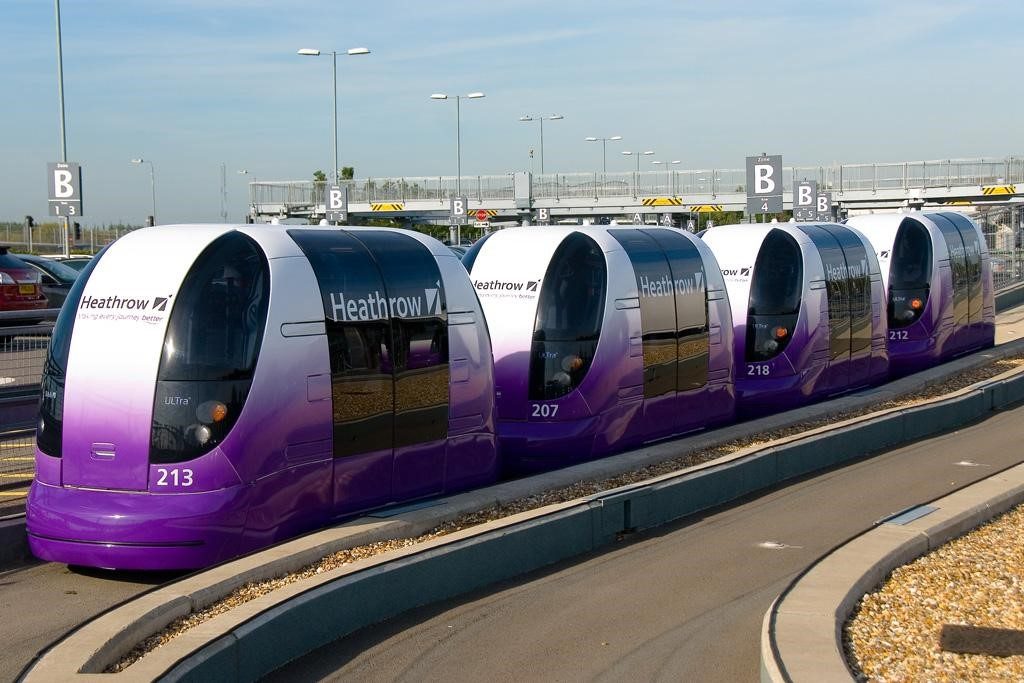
(152, 182)
(458, 130)
(542, 119)
(604, 149)
(638, 155)
(312, 52)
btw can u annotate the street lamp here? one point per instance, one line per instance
(458, 130)
(152, 182)
(311, 52)
(604, 149)
(638, 155)
(542, 119)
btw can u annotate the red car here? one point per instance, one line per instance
(20, 287)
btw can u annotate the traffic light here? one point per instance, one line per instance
(78, 232)
(30, 222)
(150, 222)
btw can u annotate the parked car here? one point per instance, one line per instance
(76, 262)
(20, 286)
(56, 278)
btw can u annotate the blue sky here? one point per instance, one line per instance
(192, 84)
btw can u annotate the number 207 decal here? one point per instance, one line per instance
(174, 477)
(543, 409)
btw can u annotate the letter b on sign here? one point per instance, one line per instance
(457, 213)
(62, 187)
(764, 184)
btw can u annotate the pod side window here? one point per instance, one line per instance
(958, 268)
(910, 273)
(570, 312)
(210, 349)
(419, 321)
(686, 269)
(858, 287)
(776, 289)
(49, 431)
(972, 256)
(836, 290)
(655, 284)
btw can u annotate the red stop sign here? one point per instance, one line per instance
(481, 215)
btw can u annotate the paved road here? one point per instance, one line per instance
(683, 603)
(42, 602)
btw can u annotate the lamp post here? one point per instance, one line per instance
(152, 182)
(636, 176)
(312, 52)
(638, 155)
(458, 131)
(671, 187)
(242, 171)
(542, 119)
(63, 137)
(604, 149)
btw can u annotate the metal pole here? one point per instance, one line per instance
(541, 119)
(223, 194)
(63, 137)
(334, 73)
(152, 188)
(604, 155)
(458, 144)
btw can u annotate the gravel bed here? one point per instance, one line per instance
(579, 489)
(974, 580)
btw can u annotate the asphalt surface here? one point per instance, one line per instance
(39, 603)
(684, 602)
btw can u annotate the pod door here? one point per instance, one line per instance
(362, 386)
(388, 345)
(857, 303)
(965, 262)
(673, 314)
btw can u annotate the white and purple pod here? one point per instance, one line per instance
(603, 339)
(807, 306)
(211, 389)
(938, 279)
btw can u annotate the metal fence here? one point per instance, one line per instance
(904, 175)
(17, 458)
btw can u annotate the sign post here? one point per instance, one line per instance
(458, 215)
(764, 184)
(824, 207)
(805, 198)
(336, 210)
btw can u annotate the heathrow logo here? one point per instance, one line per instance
(507, 288)
(736, 272)
(883, 254)
(376, 306)
(114, 307)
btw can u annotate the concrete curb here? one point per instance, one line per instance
(304, 615)
(802, 632)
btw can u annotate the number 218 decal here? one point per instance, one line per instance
(758, 370)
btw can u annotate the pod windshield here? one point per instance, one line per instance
(909, 273)
(775, 293)
(570, 311)
(210, 349)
